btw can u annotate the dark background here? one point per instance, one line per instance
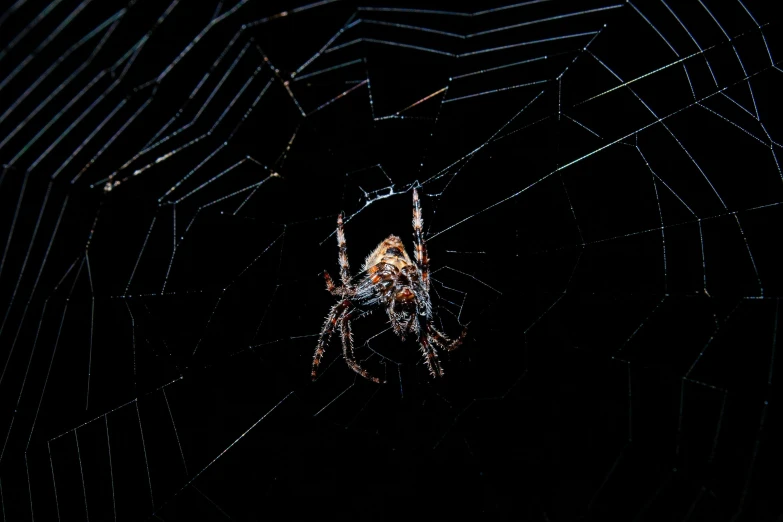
(614, 251)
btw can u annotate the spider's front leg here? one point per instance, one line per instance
(430, 337)
(339, 317)
(335, 314)
(443, 341)
(426, 345)
(350, 359)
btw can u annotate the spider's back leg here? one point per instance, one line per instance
(342, 257)
(331, 287)
(420, 252)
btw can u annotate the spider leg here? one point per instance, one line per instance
(327, 331)
(420, 253)
(347, 336)
(342, 257)
(339, 291)
(428, 350)
(444, 342)
(330, 286)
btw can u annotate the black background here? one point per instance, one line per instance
(620, 357)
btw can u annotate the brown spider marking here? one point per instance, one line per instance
(390, 251)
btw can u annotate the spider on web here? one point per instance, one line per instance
(390, 280)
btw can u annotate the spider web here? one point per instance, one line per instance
(602, 191)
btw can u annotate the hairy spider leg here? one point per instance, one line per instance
(330, 287)
(347, 338)
(430, 355)
(420, 248)
(444, 342)
(340, 313)
(337, 290)
(429, 336)
(326, 332)
(342, 257)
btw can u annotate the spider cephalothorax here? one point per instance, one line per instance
(388, 280)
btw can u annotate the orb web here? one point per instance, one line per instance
(602, 191)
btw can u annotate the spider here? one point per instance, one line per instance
(389, 280)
